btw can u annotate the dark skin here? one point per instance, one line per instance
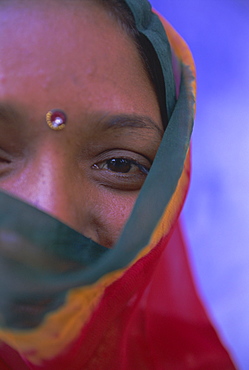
(89, 174)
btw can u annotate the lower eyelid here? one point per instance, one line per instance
(120, 181)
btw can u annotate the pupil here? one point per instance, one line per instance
(119, 165)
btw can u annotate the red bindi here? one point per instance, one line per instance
(56, 119)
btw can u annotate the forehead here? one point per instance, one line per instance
(69, 51)
(49, 32)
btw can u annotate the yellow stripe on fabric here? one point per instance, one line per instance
(61, 327)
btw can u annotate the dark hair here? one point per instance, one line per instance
(123, 15)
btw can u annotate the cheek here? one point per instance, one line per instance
(110, 215)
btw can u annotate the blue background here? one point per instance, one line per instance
(217, 210)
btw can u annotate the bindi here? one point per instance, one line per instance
(56, 119)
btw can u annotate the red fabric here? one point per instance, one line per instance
(10, 359)
(180, 333)
(150, 319)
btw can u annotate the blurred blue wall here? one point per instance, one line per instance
(216, 216)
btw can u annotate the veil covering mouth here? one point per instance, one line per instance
(68, 302)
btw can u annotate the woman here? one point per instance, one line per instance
(88, 89)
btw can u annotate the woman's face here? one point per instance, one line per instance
(74, 57)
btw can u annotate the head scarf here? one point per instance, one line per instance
(67, 302)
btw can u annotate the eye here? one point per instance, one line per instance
(5, 162)
(121, 170)
(122, 165)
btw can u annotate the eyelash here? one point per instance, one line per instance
(120, 161)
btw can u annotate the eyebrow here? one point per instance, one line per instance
(110, 122)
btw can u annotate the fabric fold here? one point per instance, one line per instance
(68, 302)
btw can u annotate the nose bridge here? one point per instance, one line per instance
(46, 183)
